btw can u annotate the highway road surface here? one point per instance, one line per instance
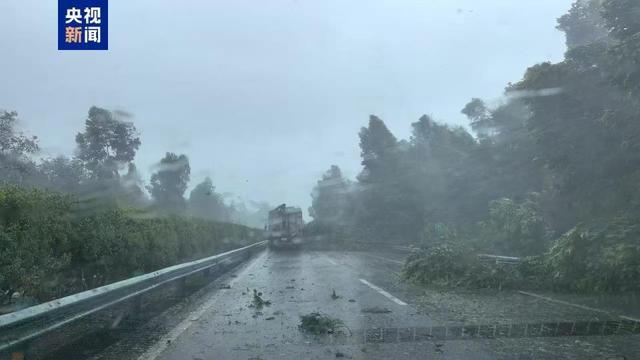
(383, 317)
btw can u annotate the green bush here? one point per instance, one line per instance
(440, 264)
(454, 266)
(513, 228)
(51, 247)
(604, 256)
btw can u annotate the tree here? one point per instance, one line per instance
(329, 197)
(622, 17)
(13, 142)
(63, 174)
(377, 146)
(205, 202)
(169, 183)
(15, 151)
(107, 144)
(583, 24)
(507, 167)
(439, 178)
(131, 185)
(479, 116)
(586, 136)
(383, 210)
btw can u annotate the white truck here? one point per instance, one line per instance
(284, 227)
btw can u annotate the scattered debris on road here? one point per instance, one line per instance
(225, 286)
(270, 318)
(320, 324)
(352, 300)
(258, 301)
(335, 296)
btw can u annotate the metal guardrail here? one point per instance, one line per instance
(402, 248)
(498, 259)
(19, 330)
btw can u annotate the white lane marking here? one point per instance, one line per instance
(386, 259)
(383, 292)
(162, 344)
(583, 307)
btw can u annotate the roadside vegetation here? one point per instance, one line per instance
(549, 173)
(50, 246)
(69, 224)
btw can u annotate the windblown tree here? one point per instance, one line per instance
(379, 149)
(330, 198)
(206, 203)
(588, 134)
(16, 148)
(583, 24)
(133, 186)
(438, 173)
(383, 210)
(508, 167)
(479, 117)
(169, 182)
(63, 174)
(107, 144)
(255, 215)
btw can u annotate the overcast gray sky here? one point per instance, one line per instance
(264, 95)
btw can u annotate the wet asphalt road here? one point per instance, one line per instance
(227, 326)
(222, 322)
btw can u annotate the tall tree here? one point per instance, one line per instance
(15, 151)
(132, 187)
(330, 197)
(587, 135)
(505, 152)
(440, 172)
(168, 184)
(11, 140)
(583, 24)
(383, 210)
(622, 18)
(479, 116)
(205, 202)
(378, 146)
(63, 174)
(107, 144)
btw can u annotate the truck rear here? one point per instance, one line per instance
(284, 227)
